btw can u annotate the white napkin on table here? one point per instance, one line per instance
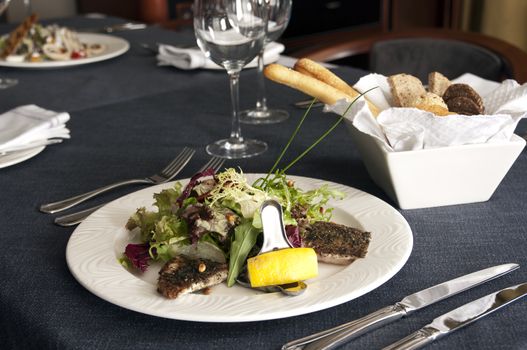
(30, 124)
(404, 129)
(194, 58)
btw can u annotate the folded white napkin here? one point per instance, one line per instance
(194, 58)
(404, 129)
(31, 124)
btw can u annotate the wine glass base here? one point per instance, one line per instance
(232, 149)
(263, 116)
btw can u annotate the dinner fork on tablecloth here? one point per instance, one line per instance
(165, 175)
(76, 218)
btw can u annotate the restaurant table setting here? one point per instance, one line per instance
(429, 271)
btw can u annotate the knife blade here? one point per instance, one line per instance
(306, 103)
(459, 318)
(338, 335)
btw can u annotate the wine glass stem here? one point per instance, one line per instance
(261, 101)
(236, 133)
(29, 8)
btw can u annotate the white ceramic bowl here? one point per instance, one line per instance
(440, 176)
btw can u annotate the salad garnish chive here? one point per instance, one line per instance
(264, 181)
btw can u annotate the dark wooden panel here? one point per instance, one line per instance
(407, 14)
(317, 16)
(119, 8)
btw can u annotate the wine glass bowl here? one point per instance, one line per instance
(231, 33)
(278, 15)
(278, 18)
(3, 5)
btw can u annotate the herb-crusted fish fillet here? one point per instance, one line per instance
(336, 244)
(183, 275)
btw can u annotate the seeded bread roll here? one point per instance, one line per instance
(438, 83)
(436, 109)
(429, 99)
(313, 87)
(405, 89)
(315, 70)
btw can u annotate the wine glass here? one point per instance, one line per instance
(3, 5)
(231, 33)
(278, 14)
(28, 6)
(6, 82)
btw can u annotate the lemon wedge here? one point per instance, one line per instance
(282, 266)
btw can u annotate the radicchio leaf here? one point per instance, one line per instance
(293, 234)
(193, 181)
(138, 255)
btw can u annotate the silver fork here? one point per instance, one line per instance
(76, 218)
(165, 175)
(215, 163)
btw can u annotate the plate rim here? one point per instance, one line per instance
(124, 46)
(23, 156)
(153, 307)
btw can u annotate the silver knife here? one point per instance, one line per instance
(336, 336)
(75, 218)
(459, 318)
(114, 28)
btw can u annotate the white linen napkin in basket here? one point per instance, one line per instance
(194, 58)
(405, 129)
(31, 124)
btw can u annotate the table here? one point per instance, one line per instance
(128, 118)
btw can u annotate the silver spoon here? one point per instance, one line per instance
(274, 238)
(291, 289)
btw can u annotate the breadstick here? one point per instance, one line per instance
(17, 35)
(315, 70)
(304, 83)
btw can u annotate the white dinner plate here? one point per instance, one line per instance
(19, 156)
(98, 242)
(115, 46)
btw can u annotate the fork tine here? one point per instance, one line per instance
(176, 161)
(214, 163)
(183, 163)
(181, 159)
(219, 164)
(206, 165)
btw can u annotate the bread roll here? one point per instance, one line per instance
(438, 83)
(405, 89)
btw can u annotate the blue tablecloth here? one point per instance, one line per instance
(128, 118)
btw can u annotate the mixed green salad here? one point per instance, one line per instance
(216, 216)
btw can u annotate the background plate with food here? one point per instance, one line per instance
(112, 47)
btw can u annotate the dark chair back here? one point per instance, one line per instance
(420, 56)
(450, 52)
